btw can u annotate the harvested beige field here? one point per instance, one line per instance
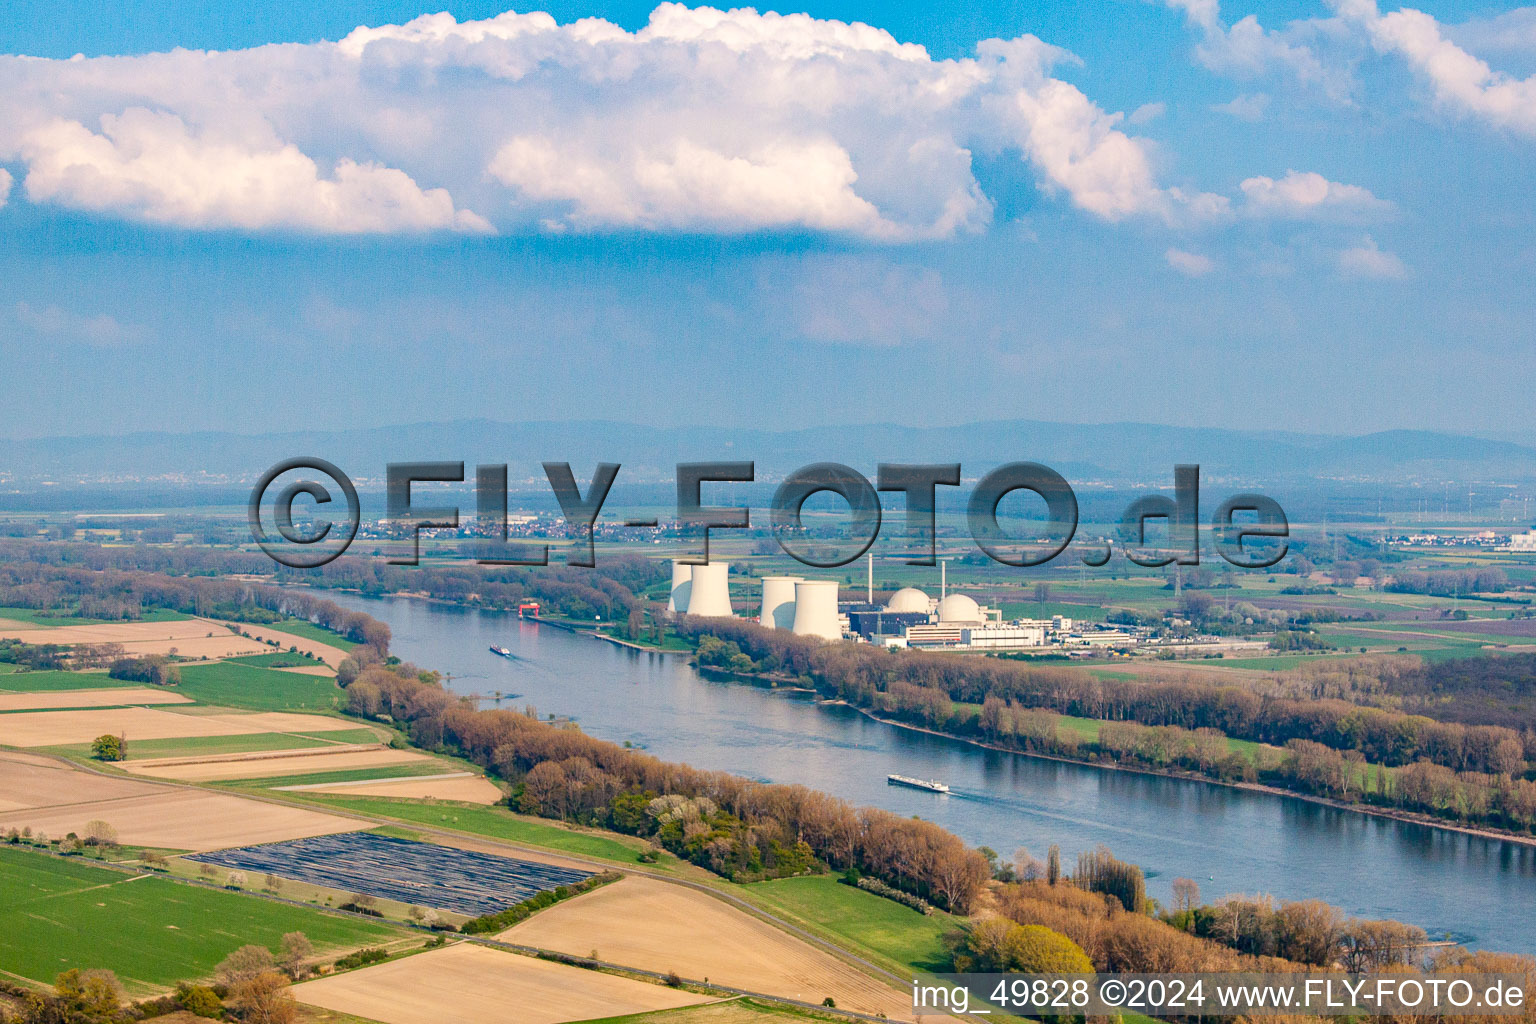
(281, 721)
(469, 984)
(213, 648)
(57, 799)
(657, 926)
(53, 728)
(184, 819)
(189, 638)
(90, 698)
(6, 624)
(470, 789)
(325, 652)
(28, 781)
(272, 763)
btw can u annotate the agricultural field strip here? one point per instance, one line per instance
(658, 927)
(57, 796)
(605, 965)
(460, 787)
(49, 700)
(260, 755)
(81, 725)
(467, 983)
(327, 653)
(377, 782)
(409, 872)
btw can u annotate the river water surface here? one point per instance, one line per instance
(1479, 891)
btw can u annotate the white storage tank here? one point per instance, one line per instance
(778, 602)
(682, 584)
(710, 591)
(816, 609)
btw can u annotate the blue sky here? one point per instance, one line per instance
(1303, 216)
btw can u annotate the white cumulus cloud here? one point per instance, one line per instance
(1190, 264)
(1247, 49)
(100, 329)
(1459, 81)
(5, 186)
(1368, 260)
(687, 186)
(703, 120)
(1245, 106)
(149, 166)
(1305, 193)
(1322, 53)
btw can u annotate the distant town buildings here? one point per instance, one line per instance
(1524, 542)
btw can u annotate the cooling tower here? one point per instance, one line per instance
(816, 609)
(682, 584)
(778, 602)
(710, 593)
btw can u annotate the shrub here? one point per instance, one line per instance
(199, 1000)
(890, 892)
(361, 958)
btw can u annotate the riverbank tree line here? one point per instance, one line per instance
(927, 686)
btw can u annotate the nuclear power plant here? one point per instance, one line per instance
(778, 602)
(709, 592)
(816, 609)
(909, 618)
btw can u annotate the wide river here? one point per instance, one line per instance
(1478, 891)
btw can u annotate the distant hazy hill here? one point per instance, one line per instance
(1116, 453)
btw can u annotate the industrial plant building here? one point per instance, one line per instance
(909, 618)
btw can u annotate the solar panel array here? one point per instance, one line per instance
(422, 874)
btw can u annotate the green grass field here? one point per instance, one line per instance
(259, 689)
(390, 771)
(191, 746)
(905, 939)
(56, 914)
(1278, 663)
(309, 631)
(280, 659)
(43, 619)
(43, 682)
